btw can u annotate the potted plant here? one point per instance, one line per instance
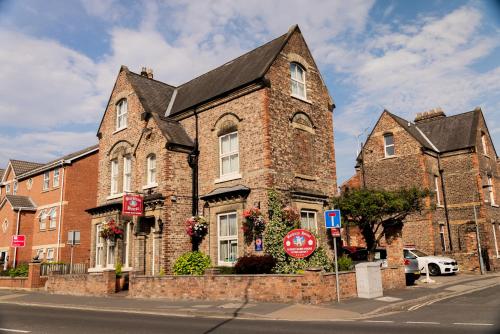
(120, 278)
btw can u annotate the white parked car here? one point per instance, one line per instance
(437, 264)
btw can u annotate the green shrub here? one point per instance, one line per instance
(345, 263)
(255, 264)
(192, 263)
(118, 270)
(20, 271)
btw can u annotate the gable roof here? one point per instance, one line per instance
(21, 202)
(414, 131)
(153, 94)
(21, 167)
(234, 74)
(2, 171)
(452, 132)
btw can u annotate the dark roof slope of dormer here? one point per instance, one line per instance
(21, 202)
(453, 132)
(153, 94)
(234, 74)
(20, 167)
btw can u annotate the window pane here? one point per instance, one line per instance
(295, 89)
(223, 250)
(225, 144)
(235, 163)
(389, 150)
(223, 230)
(389, 140)
(233, 254)
(233, 226)
(225, 165)
(234, 142)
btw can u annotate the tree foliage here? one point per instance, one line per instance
(282, 221)
(376, 211)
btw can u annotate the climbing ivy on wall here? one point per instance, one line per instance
(282, 220)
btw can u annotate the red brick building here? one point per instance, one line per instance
(213, 146)
(454, 157)
(45, 202)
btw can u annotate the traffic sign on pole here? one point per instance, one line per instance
(332, 218)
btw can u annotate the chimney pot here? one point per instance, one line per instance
(432, 114)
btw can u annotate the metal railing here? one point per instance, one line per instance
(62, 269)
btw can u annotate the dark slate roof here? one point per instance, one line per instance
(21, 167)
(174, 132)
(230, 76)
(154, 95)
(238, 190)
(24, 202)
(412, 129)
(1, 173)
(452, 132)
(73, 155)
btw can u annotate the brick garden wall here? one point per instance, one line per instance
(14, 282)
(95, 284)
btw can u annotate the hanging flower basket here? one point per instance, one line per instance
(253, 225)
(197, 227)
(111, 231)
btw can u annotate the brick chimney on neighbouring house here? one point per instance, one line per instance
(430, 115)
(147, 72)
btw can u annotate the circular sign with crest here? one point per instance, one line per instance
(299, 243)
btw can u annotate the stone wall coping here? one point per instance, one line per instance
(13, 278)
(340, 273)
(231, 275)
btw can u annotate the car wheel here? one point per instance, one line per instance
(434, 269)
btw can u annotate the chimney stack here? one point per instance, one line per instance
(147, 72)
(429, 115)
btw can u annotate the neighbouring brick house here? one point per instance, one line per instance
(213, 146)
(44, 202)
(454, 157)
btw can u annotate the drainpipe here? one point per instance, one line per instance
(193, 163)
(445, 202)
(17, 233)
(61, 197)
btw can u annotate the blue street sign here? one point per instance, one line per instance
(332, 218)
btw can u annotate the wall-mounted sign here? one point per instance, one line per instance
(132, 205)
(258, 244)
(18, 241)
(299, 243)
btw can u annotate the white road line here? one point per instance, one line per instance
(382, 321)
(423, 322)
(13, 330)
(472, 324)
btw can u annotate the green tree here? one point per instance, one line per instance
(376, 212)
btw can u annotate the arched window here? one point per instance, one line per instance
(127, 173)
(298, 76)
(114, 176)
(121, 114)
(484, 143)
(151, 170)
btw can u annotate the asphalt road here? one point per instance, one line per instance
(473, 313)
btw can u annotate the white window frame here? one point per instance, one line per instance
(50, 254)
(40, 252)
(121, 114)
(42, 216)
(7, 188)
(229, 155)
(231, 239)
(14, 187)
(386, 146)
(494, 227)
(151, 170)
(127, 173)
(110, 254)
(99, 247)
(126, 245)
(29, 184)
(52, 215)
(114, 176)
(442, 236)
(46, 181)
(483, 142)
(490, 190)
(436, 189)
(309, 213)
(55, 180)
(298, 80)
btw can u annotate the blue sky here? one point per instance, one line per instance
(59, 60)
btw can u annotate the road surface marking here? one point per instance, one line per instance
(16, 295)
(471, 324)
(423, 322)
(383, 321)
(13, 330)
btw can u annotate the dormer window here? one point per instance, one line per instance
(121, 114)
(389, 145)
(14, 189)
(298, 76)
(484, 143)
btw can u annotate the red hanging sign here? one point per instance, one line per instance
(299, 243)
(132, 205)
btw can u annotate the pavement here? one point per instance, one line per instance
(409, 299)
